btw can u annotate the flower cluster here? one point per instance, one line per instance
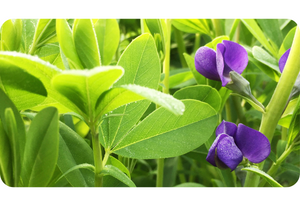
(233, 142)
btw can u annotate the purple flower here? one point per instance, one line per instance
(235, 142)
(228, 57)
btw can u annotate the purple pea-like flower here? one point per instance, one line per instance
(235, 142)
(217, 65)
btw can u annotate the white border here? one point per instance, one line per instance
(12, 9)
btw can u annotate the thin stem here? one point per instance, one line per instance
(180, 46)
(233, 29)
(277, 164)
(97, 156)
(228, 111)
(197, 42)
(279, 99)
(218, 27)
(239, 109)
(180, 168)
(160, 172)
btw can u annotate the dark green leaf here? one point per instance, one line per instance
(118, 174)
(41, 149)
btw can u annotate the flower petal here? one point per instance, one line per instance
(223, 69)
(205, 63)
(283, 60)
(228, 128)
(211, 152)
(235, 56)
(229, 153)
(254, 145)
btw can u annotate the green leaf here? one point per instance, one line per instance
(271, 29)
(264, 57)
(66, 43)
(5, 158)
(14, 127)
(190, 184)
(157, 26)
(115, 162)
(45, 30)
(202, 93)
(142, 67)
(28, 31)
(84, 87)
(251, 102)
(11, 34)
(180, 78)
(286, 117)
(294, 128)
(118, 174)
(287, 42)
(264, 175)
(191, 63)
(44, 72)
(108, 37)
(85, 42)
(192, 25)
(163, 134)
(41, 149)
(217, 40)
(259, 35)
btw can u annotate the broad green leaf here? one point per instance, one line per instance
(23, 89)
(14, 127)
(5, 158)
(217, 40)
(286, 117)
(45, 30)
(118, 174)
(66, 43)
(108, 37)
(28, 31)
(84, 87)
(273, 74)
(11, 34)
(180, 78)
(163, 134)
(264, 57)
(202, 93)
(259, 35)
(287, 42)
(192, 25)
(142, 67)
(115, 162)
(294, 128)
(271, 29)
(157, 26)
(190, 184)
(264, 175)
(41, 149)
(191, 63)
(85, 42)
(44, 72)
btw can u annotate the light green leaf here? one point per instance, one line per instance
(115, 162)
(180, 78)
(14, 128)
(163, 134)
(217, 40)
(287, 42)
(85, 42)
(251, 102)
(265, 58)
(142, 67)
(259, 35)
(190, 184)
(294, 128)
(271, 29)
(5, 158)
(44, 72)
(192, 25)
(28, 31)
(108, 37)
(157, 26)
(66, 43)
(191, 63)
(84, 87)
(286, 117)
(118, 174)
(11, 33)
(264, 175)
(41, 149)
(202, 93)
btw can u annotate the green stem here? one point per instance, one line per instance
(284, 133)
(279, 99)
(197, 42)
(97, 156)
(180, 46)
(233, 29)
(218, 27)
(180, 168)
(160, 172)
(239, 109)
(228, 111)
